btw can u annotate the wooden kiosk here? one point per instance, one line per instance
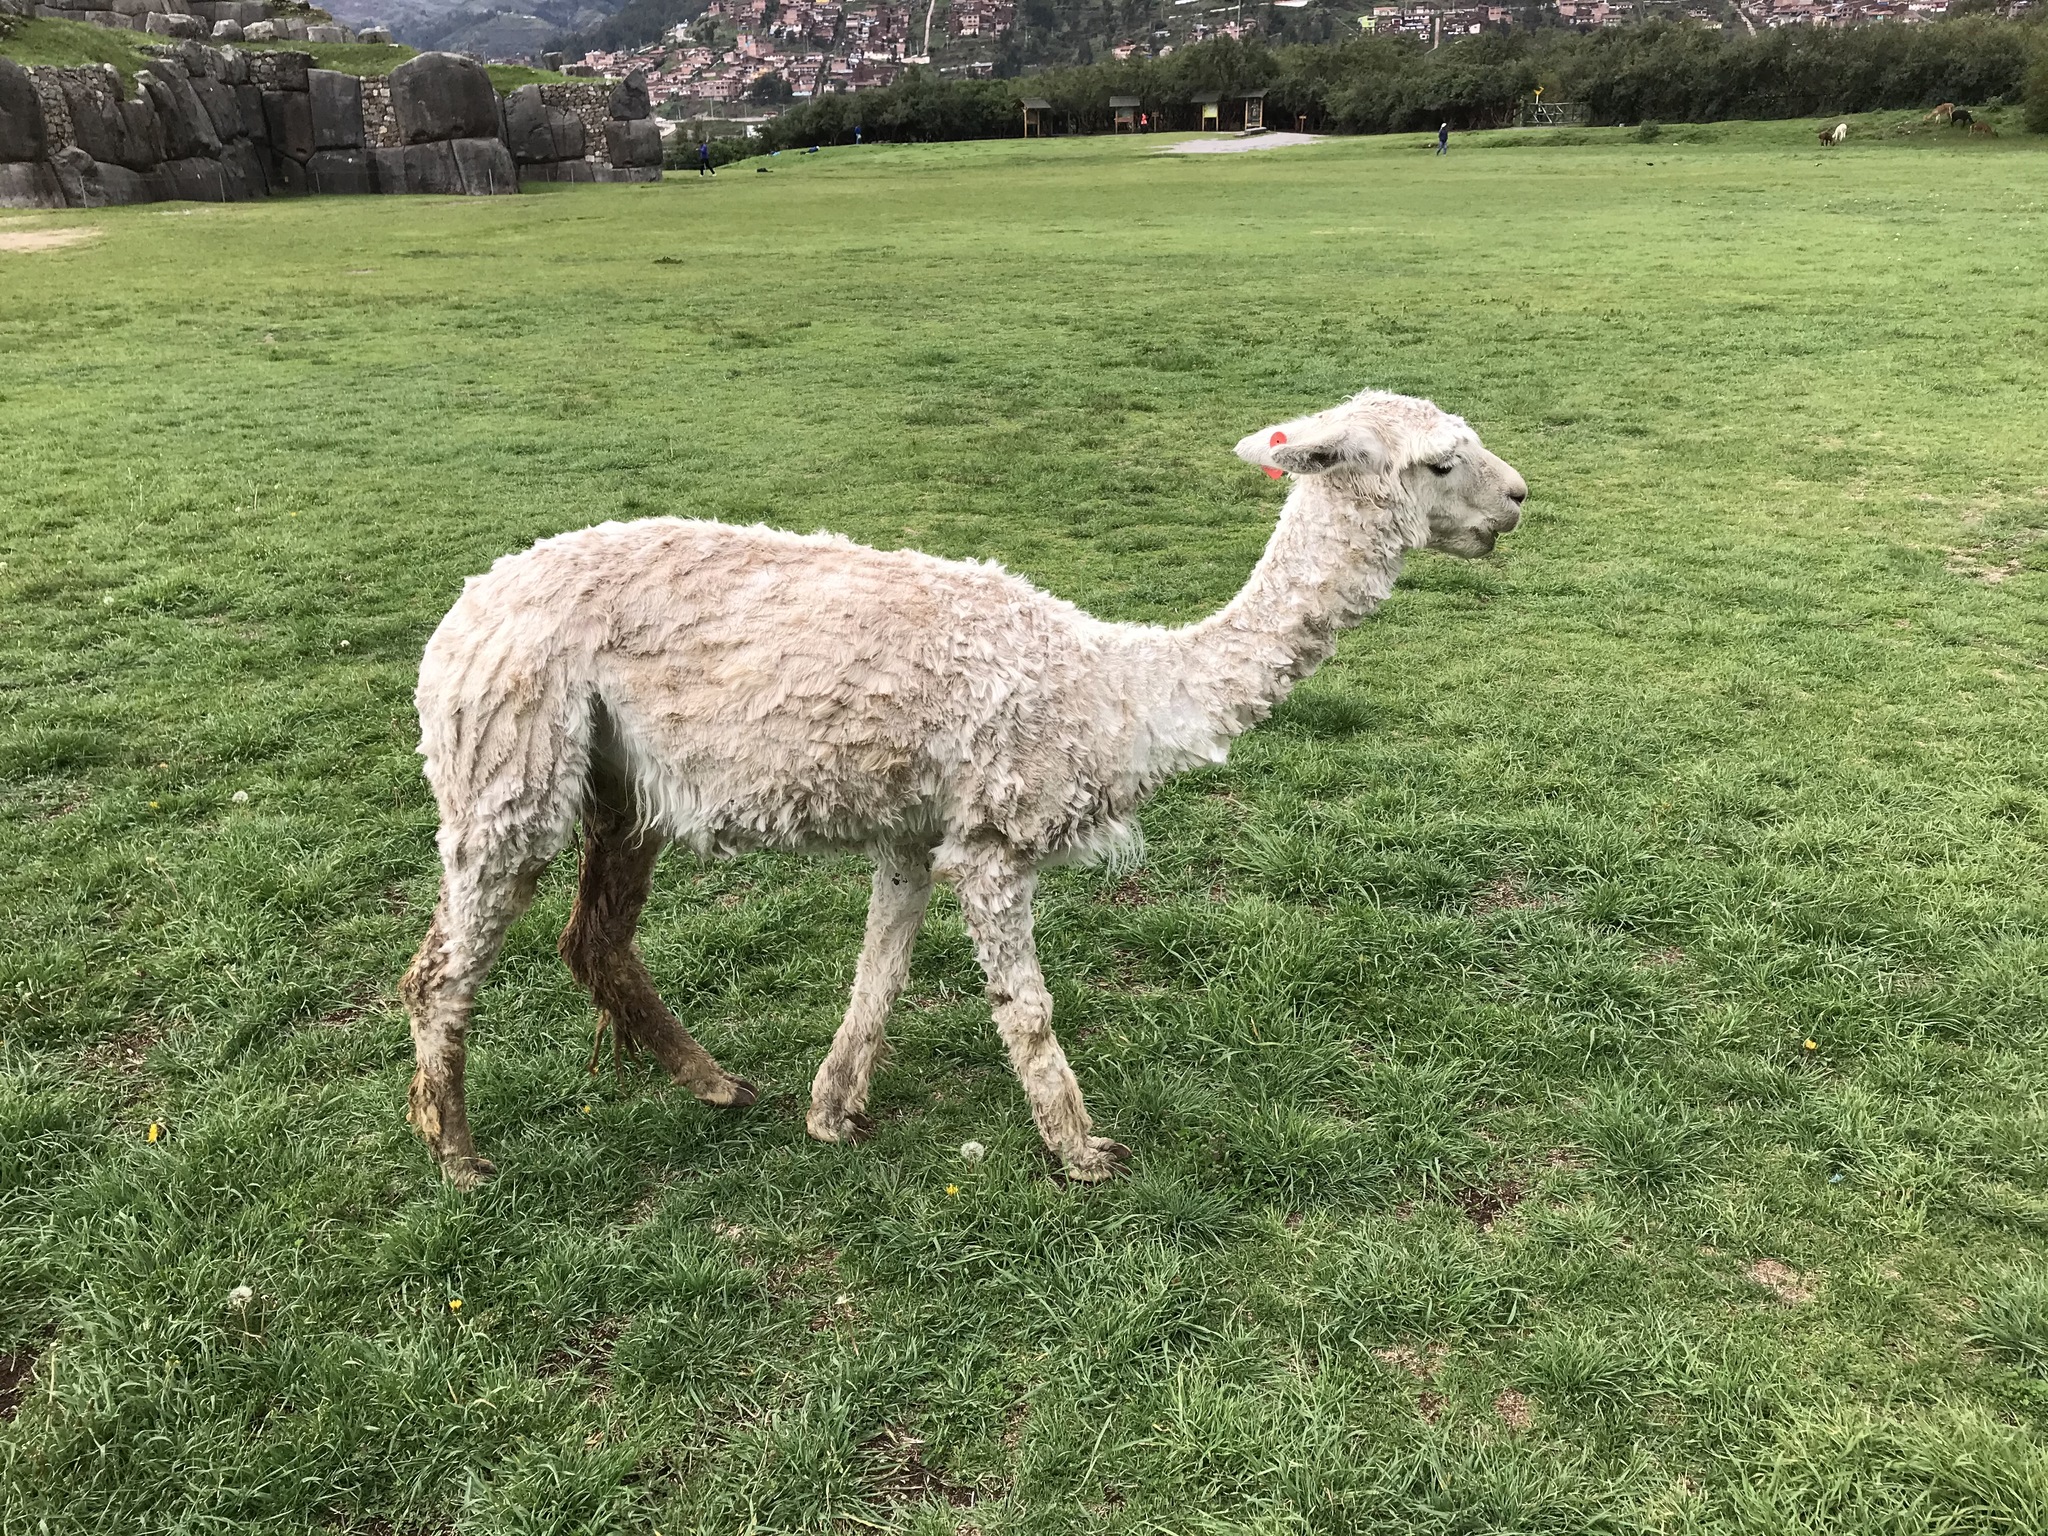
(1035, 110)
(1123, 114)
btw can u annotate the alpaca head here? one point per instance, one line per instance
(1382, 452)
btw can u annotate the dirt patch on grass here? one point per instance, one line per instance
(28, 240)
(1487, 1203)
(587, 1353)
(16, 1369)
(1421, 1362)
(1128, 892)
(1781, 1280)
(903, 1476)
(1994, 562)
(125, 1054)
(1507, 893)
(1515, 1410)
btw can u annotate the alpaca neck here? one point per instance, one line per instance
(1333, 559)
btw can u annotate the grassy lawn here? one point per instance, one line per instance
(1484, 1182)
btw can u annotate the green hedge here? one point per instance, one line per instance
(1662, 71)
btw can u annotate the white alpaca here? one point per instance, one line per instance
(734, 688)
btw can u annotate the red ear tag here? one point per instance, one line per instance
(1274, 442)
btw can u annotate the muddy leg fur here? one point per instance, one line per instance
(995, 898)
(896, 906)
(617, 872)
(475, 909)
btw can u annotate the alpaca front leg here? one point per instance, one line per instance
(897, 900)
(995, 898)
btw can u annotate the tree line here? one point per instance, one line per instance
(1661, 71)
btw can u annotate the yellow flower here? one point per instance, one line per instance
(156, 1133)
(454, 1303)
(586, 1109)
(1811, 1046)
(952, 1189)
(153, 805)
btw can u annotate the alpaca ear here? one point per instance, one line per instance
(1312, 446)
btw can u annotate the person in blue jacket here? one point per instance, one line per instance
(704, 165)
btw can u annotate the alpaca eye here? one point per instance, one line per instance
(1443, 468)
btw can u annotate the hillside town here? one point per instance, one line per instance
(769, 52)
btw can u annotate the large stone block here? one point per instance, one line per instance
(260, 32)
(222, 108)
(341, 171)
(472, 167)
(337, 102)
(22, 133)
(560, 170)
(528, 134)
(629, 98)
(197, 60)
(632, 143)
(375, 35)
(188, 129)
(289, 117)
(326, 34)
(174, 26)
(255, 125)
(242, 164)
(486, 167)
(196, 180)
(287, 176)
(112, 131)
(228, 31)
(438, 96)
(103, 185)
(538, 133)
(30, 184)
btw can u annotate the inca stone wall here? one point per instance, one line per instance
(221, 125)
(380, 128)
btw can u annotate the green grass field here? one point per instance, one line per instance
(1483, 1180)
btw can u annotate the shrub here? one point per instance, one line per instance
(2037, 96)
(1648, 130)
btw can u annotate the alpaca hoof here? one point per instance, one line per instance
(467, 1172)
(1103, 1160)
(843, 1130)
(731, 1093)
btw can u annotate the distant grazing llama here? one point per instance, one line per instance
(734, 688)
(1941, 114)
(1834, 135)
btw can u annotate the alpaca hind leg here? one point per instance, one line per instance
(896, 905)
(995, 897)
(476, 906)
(611, 890)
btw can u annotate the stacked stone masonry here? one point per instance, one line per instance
(221, 125)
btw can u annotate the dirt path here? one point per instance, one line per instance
(43, 239)
(1241, 146)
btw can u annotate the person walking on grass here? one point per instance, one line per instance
(704, 165)
(1443, 138)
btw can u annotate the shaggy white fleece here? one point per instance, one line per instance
(743, 688)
